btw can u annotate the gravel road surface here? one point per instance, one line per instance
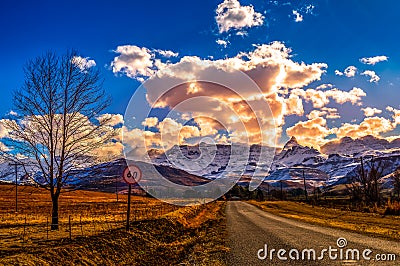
(253, 234)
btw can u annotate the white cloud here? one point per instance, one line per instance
(222, 43)
(320, 98)
(230, 14)
(133, 61)
(83, 63)
(3, 130)
(396, 114)
(350, 71)
(13, 113)
(298, 16)
(338, 73)
(242, 33)
(353, 96)
(109, 151)
(113, 119)
(166, 53)
(332, 113)
(85, 133)
(373, 76)
(269, 65)
(139, 62)
(316, 113)
(368, 111)
(324, 86)
(373, 60)
(329, 113)
(309, 9)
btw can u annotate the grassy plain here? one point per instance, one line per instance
(161, 234)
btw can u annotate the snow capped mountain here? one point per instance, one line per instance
(337, 163)
(294, 154)
(357, 147)
(105, 176)
(213, 161)
(7, 173)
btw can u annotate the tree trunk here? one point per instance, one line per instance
(54, 212)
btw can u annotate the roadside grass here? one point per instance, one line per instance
(365, 223)
(161, 234)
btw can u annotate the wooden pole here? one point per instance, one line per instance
(128, 211)
(94, 226)
(16, 183)
(116, 187)
(70, 228)
(16, 188)
(23, 237)
(305, 186)
(80, 221)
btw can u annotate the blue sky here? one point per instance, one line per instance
(337, 33)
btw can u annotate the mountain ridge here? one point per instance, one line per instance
(197, 164)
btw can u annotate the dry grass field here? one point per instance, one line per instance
(160, 231)
(374, 224)
(87, 212)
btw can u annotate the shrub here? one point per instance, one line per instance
(392, 208)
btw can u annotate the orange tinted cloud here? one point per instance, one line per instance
(113, 119)
(368, 111)
(311, 132)
(369, 126)
(150, 121)
(236, 105)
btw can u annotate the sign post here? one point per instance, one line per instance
(16, 183)
(128, 212)
(132, 174)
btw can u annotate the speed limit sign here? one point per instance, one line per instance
(132, 174)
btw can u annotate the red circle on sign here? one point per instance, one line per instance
(132, 174)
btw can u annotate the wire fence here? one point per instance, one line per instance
(17, 229)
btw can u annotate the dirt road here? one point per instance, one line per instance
(259, 238)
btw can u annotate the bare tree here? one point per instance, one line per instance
(396, 183)
(365, 186)
(58, 127)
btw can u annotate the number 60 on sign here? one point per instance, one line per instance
(132, 174)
